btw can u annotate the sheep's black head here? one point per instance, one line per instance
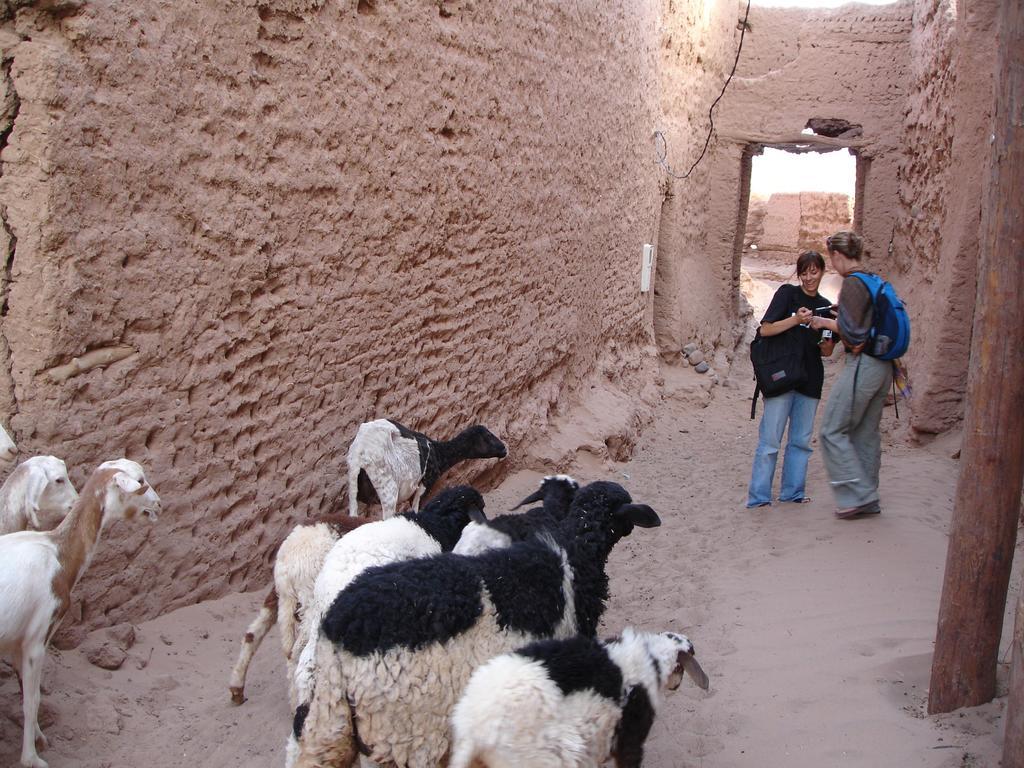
(608, 507)
(556, 491)
(461, 504)
(481, 443)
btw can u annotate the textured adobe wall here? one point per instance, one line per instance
(299, 215)
(942, 182)
(795, 222)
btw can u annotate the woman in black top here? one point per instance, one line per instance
(791, 311)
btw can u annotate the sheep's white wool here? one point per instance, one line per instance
(512, 713)
(530, 721)
(37, 495)
(478, 538)
(416, 689)
(392, 463)
(401, 699)
(380, 543)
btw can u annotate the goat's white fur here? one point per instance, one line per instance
(37, 495)
(39, 569)
(392, 463)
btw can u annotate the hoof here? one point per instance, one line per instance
(237, 696)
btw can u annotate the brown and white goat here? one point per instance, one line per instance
(296, 566)
(39, 569)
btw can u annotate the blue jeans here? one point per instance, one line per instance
(799, 411)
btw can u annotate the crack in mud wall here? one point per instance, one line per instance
(9, 107)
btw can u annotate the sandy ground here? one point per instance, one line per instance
(816, 633)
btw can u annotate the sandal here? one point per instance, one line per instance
(871, 508)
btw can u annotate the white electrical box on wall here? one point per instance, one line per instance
(646, 265)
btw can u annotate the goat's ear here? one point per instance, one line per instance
(127, 484)
(639, 515)
(692, 668)
(141, 490)
(35, 484)
(537, 495)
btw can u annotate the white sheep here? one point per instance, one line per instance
(296, 565)
(8, 450)
(569, 703)
(39, 569)
(399, 643)
(396, 466)
(37, 495)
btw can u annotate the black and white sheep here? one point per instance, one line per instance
(556, 491)
(394, 465)
(296, 565)
(569, 703)
(433, 530)
(36, 495)
(398, 645)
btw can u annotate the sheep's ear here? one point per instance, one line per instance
(477, 515)
(127, 484)
(537, 495)
(639, 515)
(693, 669)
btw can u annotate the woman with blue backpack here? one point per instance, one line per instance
(790, 312)
(872, 324)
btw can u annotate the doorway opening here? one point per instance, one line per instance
(795, 196)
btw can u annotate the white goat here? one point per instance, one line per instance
(39, 569)
(569, 703)
(396, 465)
(296, 565)
(37, 495)
(8, 450)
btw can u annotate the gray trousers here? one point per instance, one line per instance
(851, 445)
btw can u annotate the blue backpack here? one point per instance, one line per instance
(890, 330)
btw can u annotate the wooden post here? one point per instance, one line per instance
(986, 509)
(1013, 745)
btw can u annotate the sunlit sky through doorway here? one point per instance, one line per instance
(780, 171)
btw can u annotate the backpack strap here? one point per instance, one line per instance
(895, 397)
(870, 279)
(753, 400)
